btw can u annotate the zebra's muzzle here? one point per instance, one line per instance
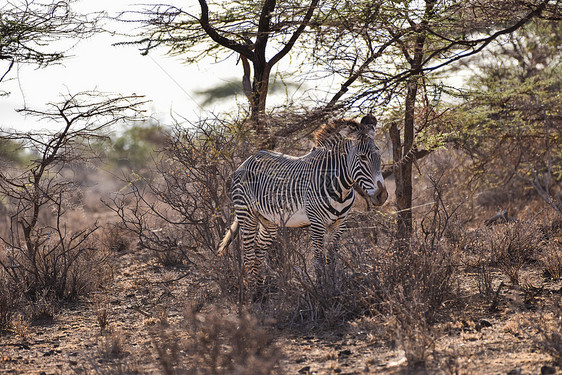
(378, 196)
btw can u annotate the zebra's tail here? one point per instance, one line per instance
(229, 237)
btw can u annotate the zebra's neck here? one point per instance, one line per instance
(335, 163)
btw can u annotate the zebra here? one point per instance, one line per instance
(271, 189)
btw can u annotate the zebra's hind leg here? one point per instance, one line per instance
(266, 235)
(248, 233)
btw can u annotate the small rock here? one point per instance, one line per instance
(304, 370)
(485, 323)
(516, 371)
(344, 353)
(548, 370)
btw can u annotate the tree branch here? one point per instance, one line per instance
(345, 86)
(223, 41)
(296, 34)
(485, 41)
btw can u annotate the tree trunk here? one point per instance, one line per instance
(258, 99)
(403, 164)
(404, 156)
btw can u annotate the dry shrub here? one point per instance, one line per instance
(115, 238)
(550, 333)
(110, 345)
(413, 286)
(181, 212)
(56, 269)
(9, 301)
(414, 283)
(552, 260)
(20, 327)
(216, 342)
(293, 295)
(370, 275)
(511, 245)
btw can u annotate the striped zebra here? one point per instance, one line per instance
(271, 189)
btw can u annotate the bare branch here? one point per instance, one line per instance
(289, 45)
(223, 41)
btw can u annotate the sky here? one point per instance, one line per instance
(94, 63)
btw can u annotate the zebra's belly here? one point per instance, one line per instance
(291, 220)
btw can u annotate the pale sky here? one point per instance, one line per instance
(96, 64)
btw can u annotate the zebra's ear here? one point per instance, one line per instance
(369, 123)
(369, 120)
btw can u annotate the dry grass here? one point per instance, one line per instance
(511, 246)
(216, 342)
(459, 298)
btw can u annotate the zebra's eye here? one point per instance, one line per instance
(363, 157)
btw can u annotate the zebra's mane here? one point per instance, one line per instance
(338, 130)
(330, 133)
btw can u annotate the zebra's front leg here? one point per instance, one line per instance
(317, 233)
(333, 245)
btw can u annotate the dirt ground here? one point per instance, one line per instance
(145, 294)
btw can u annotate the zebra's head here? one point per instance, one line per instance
(366, 161)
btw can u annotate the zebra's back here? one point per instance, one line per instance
(274, 186)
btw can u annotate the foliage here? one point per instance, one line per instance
(232, 88)
(12, 152)
(30, 29)
(136, 146)
(510, 122)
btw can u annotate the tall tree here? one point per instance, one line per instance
(260, 33)
(385, 51)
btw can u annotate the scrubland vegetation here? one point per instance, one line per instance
(135, 285)
(109, 227)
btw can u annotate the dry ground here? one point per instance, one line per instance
(146, 296)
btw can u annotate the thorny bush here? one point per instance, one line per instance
(182, 212)
(510, 246)
(45, 252)
(215, 342)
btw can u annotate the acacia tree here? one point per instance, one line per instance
(43, 250)
(386, 52)
(253, 31)
(28, 30)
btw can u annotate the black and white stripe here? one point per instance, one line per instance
(271, 189)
